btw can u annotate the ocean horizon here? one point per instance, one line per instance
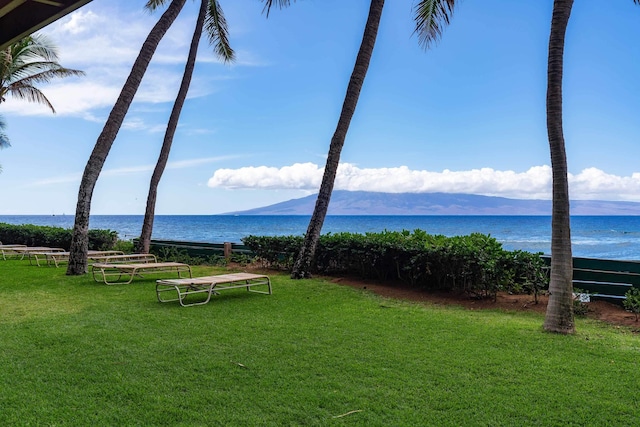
(609, 237)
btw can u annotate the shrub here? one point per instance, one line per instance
(529, 273)
(57, 237)
(125, 246)
(275, 252)
(101, 240)
(475, 264)
(632, 301)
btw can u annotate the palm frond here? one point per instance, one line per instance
(31, 94)
(430, 18)
(4, 139)
(27, 62)
(269, 3)
(216, 27)
(42, 72)
(152, 5)
(36, 46)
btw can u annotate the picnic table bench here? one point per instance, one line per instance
(9, 250)
(112, 257)
(56, 258)
(22, 251)
(209, 285)
(103, 272)
(124, 258)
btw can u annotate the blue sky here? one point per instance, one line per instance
(466, 116)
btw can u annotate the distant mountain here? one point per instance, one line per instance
(369, 203)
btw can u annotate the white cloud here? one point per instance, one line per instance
(534, 183)
(104, 41)
(300, 176)
(593, 183)
(87, 37)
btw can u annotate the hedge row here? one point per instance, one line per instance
(475, 264)
(54, 237)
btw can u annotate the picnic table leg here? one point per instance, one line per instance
(179, 270)
(93, 273)
(133, 273)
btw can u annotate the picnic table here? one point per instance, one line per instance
(56, 258)
(209, 285)
(9, 250)
(23, 251)
(104, 272)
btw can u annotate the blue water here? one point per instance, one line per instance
(610, 237)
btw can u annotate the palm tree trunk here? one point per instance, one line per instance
(147, 225)
(559, 315)
(79, 239)
(302, 266)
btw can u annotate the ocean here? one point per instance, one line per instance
(609, 237)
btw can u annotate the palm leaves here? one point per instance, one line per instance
(4, 139)
(28, 62)
(431, 16)
(269, 3)
(215, 25)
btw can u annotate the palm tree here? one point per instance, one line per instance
(79, 240)
(559, 315)
(429, 16)
(302, 265)
(27, 62)
(210, 14)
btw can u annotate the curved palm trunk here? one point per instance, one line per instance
(559, 316)
(79, 239)
(147, 226)
(302, 266)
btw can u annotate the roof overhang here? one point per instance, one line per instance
(19, 18)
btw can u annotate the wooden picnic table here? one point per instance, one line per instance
(9, 250)
(96, 256)
(21, 251)
(209, 285)
(103, 272)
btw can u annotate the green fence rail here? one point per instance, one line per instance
(200, 249)
(604, 279)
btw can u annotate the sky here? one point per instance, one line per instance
(465, 116)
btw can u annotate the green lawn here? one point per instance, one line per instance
(76, 353)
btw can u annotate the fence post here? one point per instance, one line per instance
(227, 250)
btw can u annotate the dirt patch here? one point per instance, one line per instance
(600, 310)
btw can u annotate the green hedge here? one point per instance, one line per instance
(55, 237)
(475, 264)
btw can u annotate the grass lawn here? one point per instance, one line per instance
(75, 353)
